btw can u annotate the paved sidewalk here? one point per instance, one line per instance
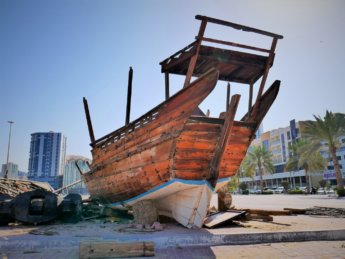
(252, 240)
(306, 250)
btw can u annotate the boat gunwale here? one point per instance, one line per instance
(150, 115)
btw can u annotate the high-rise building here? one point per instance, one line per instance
(12, 170)
(72, 174)
(278, 142)
(47, 157)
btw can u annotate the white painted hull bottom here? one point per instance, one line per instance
(187, 201)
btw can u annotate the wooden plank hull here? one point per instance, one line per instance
(186, 201)
(134, 160)
(169, 161)
(172, 156)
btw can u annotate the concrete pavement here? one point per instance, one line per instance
(62, 240)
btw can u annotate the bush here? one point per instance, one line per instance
(322, 183)
(296, 191)
(243, 186)
(245, 192)
(341, 192)
(267, 192)
(285, 184)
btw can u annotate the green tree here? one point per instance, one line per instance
(258, 158)
(285, 184)
(242, 173)
(305, 155)
(328, 130)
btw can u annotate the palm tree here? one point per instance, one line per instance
(259, 157)
(304, 155)
(242, 173)
(328, 130)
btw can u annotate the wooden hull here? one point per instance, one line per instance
(186, 201)
(169, 158)
(126, 165)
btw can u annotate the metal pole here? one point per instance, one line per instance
(8, 149)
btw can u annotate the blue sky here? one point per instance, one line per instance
(52, 53)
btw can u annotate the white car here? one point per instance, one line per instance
(321, 191)
(280, 189)
(303, 188)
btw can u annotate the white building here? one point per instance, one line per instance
(278, 142)
(12, 170)
(72, 174)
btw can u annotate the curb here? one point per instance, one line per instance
(29, 242)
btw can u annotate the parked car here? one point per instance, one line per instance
(279, 189)
(325, 191)
(254, 191)
(321, 191)
(303, 188)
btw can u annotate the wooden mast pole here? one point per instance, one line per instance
(167, 87)
(88, 120)
(193, 60)
(264, 77)
(129, 95)
(250, 102)
(227, 96)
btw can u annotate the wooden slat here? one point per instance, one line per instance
(191, 174)
(237, 26)
(195, 145)
(190, 164)
(193, 154)
(112, 249)
(221, 144)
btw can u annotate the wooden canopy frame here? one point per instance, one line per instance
(233, 66)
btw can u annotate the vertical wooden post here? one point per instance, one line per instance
(129, 95)
(227, 96)
(250, 102)
(264, 76)
(167, 87)
(88, 120)
(208, 113)
(193, 60)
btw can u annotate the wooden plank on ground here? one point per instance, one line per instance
(296, 211)
(268, 212)
(222, 218)
(111, 249)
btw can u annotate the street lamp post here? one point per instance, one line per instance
(8, 149)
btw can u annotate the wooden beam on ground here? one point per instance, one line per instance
(265, 218)
(296, 211)
(268, 212)
(112, 249)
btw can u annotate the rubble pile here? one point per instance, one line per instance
(326, 211)
(12, 187)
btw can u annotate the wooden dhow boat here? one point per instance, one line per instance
(174, 154)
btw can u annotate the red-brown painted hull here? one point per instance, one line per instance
(128, 164)
(178, 145)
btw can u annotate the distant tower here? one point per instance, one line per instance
(12, 170)
(71, 173)
(259, 131)
(47, 157)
